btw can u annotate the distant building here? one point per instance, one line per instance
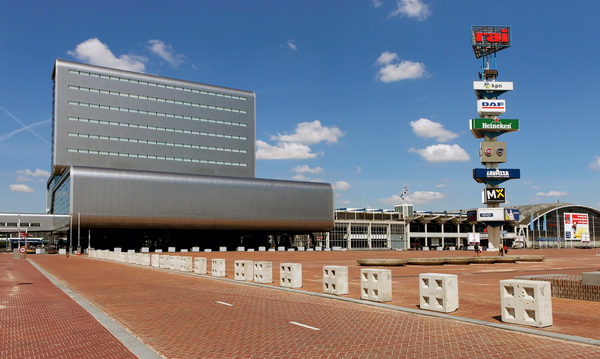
(141, 160)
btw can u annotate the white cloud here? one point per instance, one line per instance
(376, 3)
(412, 8)
(94, 52)
(310, 133)
(300, 177)
(391, 70)
(283, 151)
(21, 188)
(386, 57)
(442, 153)
(165, 52)
(552, 194)
(341, 186)
(307, 169)
(418, 197)
(291, 45)
(595, 164)
(430, 129)
(37, 173)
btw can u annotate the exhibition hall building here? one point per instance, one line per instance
(146, 161)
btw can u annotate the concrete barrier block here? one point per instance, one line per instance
(376, 285)
(186, 264)
(590, 278)
(173, 262)
(171, 250)
(281, 248)
(145, 250)
(262, 249)
(290, 275)
(244, 270)
(526, 302)
(62, 251)
(164, 261)
(438, 292)
(208, 250)
(222, 249)
(155, 260)
(200, 265)
(241, 249)
(158, 251)
(335, 280)
(117, 249)
(218, 267)
(184, 250)
(195, 249)
(263, 272)
(271, 249)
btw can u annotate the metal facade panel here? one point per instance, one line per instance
(141, 199)
(118, 119)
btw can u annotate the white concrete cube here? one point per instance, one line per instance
(155, 260)
(218, 267)
(183, 250)
(241, 249)
(145, 250)
(526, 302)
(117, 249)
(281, 248)
(200, 265)
(164, 261)
(185, 264)
(438, 292)
(195, 249)
(173, 262)
(262, 249)
(171, 249)
(222, 249)
(158, 251)
(290, 275)
(244, 270)
(335, 280)
(145, 259)
(263, 272)
(376, 285)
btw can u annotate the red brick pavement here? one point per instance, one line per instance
(188, 316)
(38, 320)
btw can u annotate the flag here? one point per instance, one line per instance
(545, 225)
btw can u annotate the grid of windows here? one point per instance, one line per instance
(153, 157)
(161, 143)
(152, 113)
(156, 84)
(157, 99)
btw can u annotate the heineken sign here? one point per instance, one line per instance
(492, 127)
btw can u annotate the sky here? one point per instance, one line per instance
(372, 96)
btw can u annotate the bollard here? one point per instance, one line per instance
(244, 270)
(335, 280)
(526, 302)
(185, 264)
(155, 260)
(218, 267)
(376, 285)
(200, 265)
(263, 272)
(438, 292)
(290, 275)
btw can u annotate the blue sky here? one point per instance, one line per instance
(358, 94)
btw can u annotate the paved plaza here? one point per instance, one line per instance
(128, 311)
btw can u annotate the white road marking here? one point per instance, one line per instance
(227, 304)
(305, 326)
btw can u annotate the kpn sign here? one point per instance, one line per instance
(492, 127)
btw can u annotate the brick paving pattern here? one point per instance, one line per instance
(38, 320)
(190, 316)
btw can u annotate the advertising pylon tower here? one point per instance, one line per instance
(486, 42)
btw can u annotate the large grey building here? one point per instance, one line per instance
(142, 160)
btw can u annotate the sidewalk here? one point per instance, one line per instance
(189, 316)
